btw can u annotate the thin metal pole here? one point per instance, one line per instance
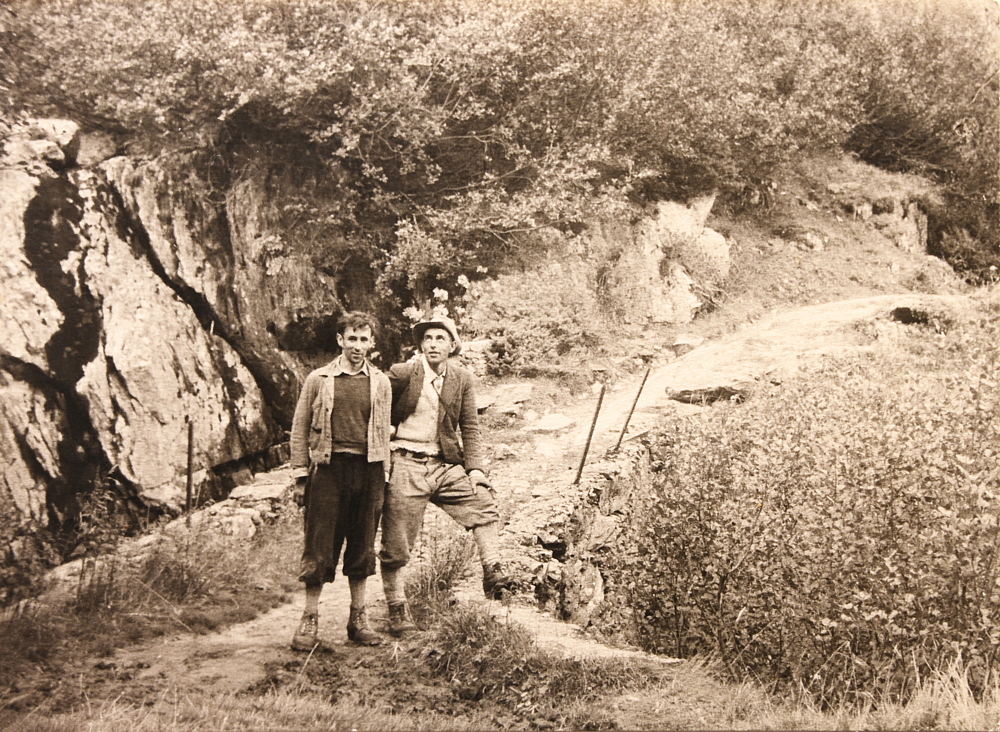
(625, 426)
(190, 464)
(586, 448)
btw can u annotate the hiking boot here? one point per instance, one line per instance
(358, 630)
(401, 623)
(495, 583)
(305, 638)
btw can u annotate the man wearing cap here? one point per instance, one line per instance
(340, 459)
(436, 457)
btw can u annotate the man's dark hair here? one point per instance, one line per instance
(357, 320)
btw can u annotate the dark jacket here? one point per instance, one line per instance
(457, 413)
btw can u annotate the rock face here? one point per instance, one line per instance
(232, 272)
(897, 212)
(660, 266)
(133, 304)
(103, 363)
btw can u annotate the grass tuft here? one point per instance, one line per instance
(444, 563)
(484, 658)
(196, 583)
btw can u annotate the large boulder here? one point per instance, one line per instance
(657, 269)
(679, 234)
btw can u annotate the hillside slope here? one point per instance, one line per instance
(785, 303)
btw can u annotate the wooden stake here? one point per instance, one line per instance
(586, 448)
(190, 464)
(627, 418)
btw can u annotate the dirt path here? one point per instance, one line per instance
(540, 482)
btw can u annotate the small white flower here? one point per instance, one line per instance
(440, 294)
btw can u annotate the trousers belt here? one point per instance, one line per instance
(418, 456)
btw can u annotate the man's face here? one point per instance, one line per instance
(436, 345)
(355, 344)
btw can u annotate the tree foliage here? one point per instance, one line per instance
(466, 124)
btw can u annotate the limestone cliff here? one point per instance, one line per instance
(132, 305)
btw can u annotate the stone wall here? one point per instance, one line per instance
(573, 583)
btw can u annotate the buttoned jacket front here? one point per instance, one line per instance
(457, 413)
(311, 439)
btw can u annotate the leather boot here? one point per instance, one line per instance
(305, 638)
(496, 583)
(401, 623)
(358, 630)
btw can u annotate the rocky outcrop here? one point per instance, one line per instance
(103, 364)
(230, 269)
(133, 304)
(897, 212)
(662, 267)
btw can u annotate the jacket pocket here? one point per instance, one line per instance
(318, 416)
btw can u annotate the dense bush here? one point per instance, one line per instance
(464, 125)
(839, 535)
(533, 318)
(929, 104)
(476, 122)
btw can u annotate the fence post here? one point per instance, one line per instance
(629, 416)
(190, 462)
(586, 448)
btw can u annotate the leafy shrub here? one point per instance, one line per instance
(466, 125)
(937, 116)
(534, 317)
(839, 536)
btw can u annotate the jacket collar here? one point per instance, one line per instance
(338, 366)
(429, 374)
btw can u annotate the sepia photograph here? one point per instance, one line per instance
(499, 365)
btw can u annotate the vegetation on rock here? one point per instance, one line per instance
(448, 132)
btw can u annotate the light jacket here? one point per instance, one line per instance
(311, 439)
(457, 413)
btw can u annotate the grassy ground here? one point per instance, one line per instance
(466, 670)
(195, 584)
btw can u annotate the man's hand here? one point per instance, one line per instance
(299, 491)
(478, 477)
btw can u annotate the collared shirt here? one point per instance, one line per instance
(340, 364)
(418, 432)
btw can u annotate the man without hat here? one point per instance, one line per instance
(436, 457)
(340, 459)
